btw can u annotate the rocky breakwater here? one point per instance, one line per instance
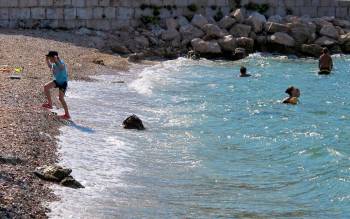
(233, 36)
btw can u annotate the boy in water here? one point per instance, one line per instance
(60, 75)
(243, 72)
(325, 62)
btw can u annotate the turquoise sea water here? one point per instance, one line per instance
(216, 145)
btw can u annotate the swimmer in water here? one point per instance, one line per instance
(325, 63)
(293, 93)
(243, 72)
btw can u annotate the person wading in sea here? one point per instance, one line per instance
(325, 63)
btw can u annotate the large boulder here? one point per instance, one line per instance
(342, 23)
(240, 53)
(246, 43)
(189, 32)
(302, 32)
(227, 22)
(170, 35)
(213, 31)
(52, 173)
(320, 22)
(142, 41)
(240, 30)
(329, 31)
(205, 47)
(275, 19)
(314, 50)
(325, 41)
(282, 39)
(118, 47)
(133, 122)
(182, 21)
(228, 43)
(171, 24)
(239, 15)
(257, 21)
(199, 21)
(272, 27)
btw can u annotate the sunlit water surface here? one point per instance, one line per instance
(216, 145)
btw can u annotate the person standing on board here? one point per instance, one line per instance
(325, 63)
(60, 81)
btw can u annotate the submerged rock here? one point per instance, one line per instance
(133, 122)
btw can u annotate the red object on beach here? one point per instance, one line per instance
(65, 117)
(47, 106)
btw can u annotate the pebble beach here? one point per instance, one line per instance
(28, 134)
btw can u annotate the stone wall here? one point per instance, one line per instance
(114, 14)
(97, 14)
(312, 8)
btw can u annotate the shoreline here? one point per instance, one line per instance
(29, 136)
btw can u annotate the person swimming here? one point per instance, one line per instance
(243, 72)
(293, 93)
(325, 63)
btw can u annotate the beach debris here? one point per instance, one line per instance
(133, 122)
(136, 57)
(57, 174)
(98, 61)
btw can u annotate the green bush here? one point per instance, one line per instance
(192, 7)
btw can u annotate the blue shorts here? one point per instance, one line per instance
(62, 87)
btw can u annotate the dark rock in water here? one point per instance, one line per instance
(314, 50)
(52, 173)
(10, 160)
(71, 182)
(239, 53)
(133, 122)
(136, 57)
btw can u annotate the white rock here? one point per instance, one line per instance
(282, 39)
(239, 15)
(208, 47)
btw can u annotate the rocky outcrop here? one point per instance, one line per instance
(133, 122)
(57, 174)
(243, 29)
